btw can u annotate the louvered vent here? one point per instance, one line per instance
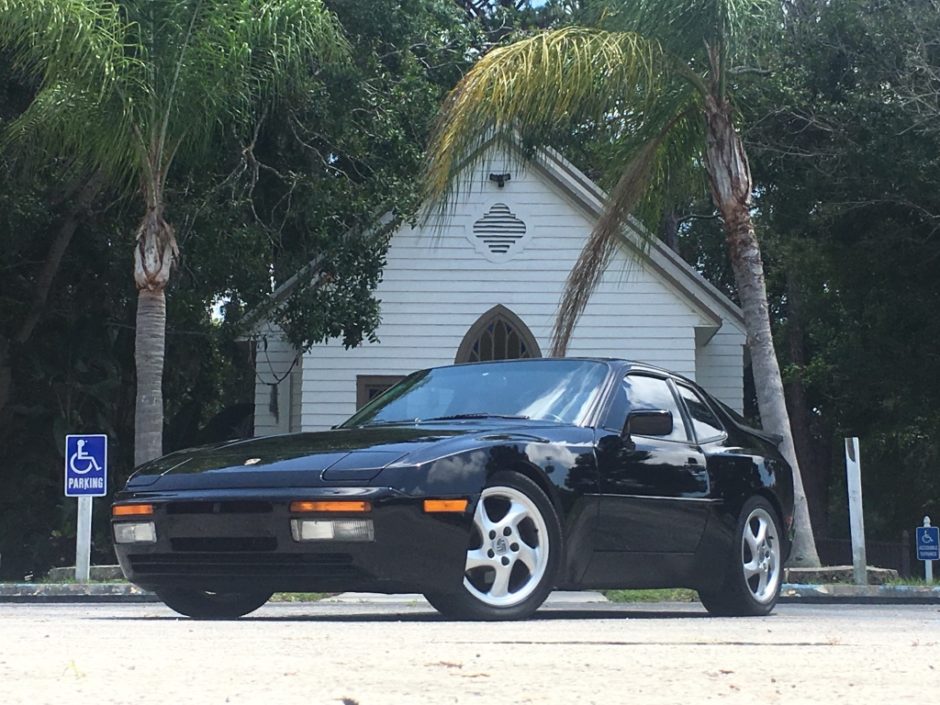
(499, 229)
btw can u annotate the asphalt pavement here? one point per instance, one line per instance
(121, 592)
(344, 651)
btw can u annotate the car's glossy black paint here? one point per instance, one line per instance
(635, 511)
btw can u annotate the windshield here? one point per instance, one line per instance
(551, 390)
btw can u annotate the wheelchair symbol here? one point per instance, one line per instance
(80, 456)
(926, 538)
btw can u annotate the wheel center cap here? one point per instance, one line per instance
(500, 546)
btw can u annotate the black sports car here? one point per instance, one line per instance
(483, 486)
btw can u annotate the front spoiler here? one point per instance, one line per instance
(238, 540)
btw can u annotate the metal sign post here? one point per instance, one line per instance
(86, 476)
(853, 477)
(928, 547)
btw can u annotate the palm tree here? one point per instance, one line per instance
(661, 72)
(130, 88)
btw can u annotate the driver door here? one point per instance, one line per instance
(654, 489)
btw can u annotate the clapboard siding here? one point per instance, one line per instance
(436, 284)
(720, 366)
(439, 279)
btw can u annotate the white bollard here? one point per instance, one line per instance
(928, 565)
(853, 477)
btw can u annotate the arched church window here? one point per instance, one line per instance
(498, 334)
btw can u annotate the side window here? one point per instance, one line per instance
(704, 422)
(653, 393)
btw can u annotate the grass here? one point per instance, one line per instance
(300, 596)
(912, 582)
(657, 595)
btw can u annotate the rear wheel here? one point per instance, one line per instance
(201, 604)
(754, 574)
(513, 555)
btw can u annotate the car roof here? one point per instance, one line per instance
(621, 363)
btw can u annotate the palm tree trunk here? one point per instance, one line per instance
(153, 260)
(148, 354)
(730, 181)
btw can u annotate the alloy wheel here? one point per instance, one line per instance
(760, 555)
(509, 550)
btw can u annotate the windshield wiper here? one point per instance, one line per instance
(453, 417)
(476, 415)
(393, 422)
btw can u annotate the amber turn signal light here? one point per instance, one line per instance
(331, 506)
(445, 505)
(131, 510)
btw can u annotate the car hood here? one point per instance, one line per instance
(341, 456)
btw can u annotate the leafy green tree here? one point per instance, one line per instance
(134, 88)
(338, 153)
(345, 142)
(665, 73)
(847, 161)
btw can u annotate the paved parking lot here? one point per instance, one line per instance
(378, 653)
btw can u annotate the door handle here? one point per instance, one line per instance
(692, 461)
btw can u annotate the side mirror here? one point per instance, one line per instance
(652, 422)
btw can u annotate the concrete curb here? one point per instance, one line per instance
(792, 593)
(74, 592)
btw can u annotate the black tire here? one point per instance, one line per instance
(521, 560)
(754, 573)
(200, 604)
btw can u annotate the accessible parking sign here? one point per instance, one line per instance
(86, 465)
(928, 543)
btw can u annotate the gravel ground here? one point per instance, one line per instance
(386, 653)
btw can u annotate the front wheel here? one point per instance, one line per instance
(201, 604)
(513, 555)
(754, 574)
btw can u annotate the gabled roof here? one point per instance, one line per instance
(668, 264)
(700, 294)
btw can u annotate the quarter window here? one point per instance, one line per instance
(653, 393)
(704, 423)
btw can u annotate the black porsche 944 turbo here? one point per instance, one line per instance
(483, 486)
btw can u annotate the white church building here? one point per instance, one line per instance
(486, 283)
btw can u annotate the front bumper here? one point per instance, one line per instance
(239, 540)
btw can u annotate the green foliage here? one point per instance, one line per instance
(850, 177)
(539, 85)
(343, 149)
(328, 152)
(637, 74)
(126, 86)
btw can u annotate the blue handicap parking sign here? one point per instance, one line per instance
(928, 543)
(86, 465)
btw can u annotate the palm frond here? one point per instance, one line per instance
(123, 84)
(76, 51)
(538, 85)
(238, 54)
(64, 40)
(649, 164)
(65, 123)
(685, 27)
